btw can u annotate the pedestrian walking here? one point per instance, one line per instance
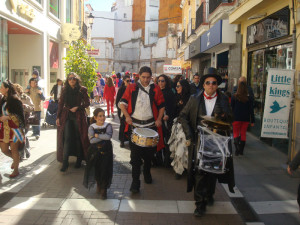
(164, 83)
(12, 125)
(72, 127)
(37, 97)
(28, 107)
(99, 167)
(294, 164)
(56, 89)
(243, 114)
(210, 102)
(178, 152)
(109, 94)
(123, 136)
(195, 87)
(143, 106)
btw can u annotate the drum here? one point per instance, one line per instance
(144, 137)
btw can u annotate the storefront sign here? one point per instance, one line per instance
(70, 32)
(274, 26)
(212, 37)
(93, 52)
(169, 69)
(277, 103)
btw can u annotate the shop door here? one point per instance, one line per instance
(20, 76)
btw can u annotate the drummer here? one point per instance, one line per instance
(210, 102)
(143, 106)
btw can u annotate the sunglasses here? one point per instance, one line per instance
(161, 81)
(211, 82)
(72, 78)
(178, 86)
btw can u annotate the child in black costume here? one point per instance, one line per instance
(100, 157)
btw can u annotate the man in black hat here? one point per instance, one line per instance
(209, 102)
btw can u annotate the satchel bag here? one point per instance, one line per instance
(33, 119)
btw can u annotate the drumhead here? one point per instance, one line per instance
(145, 132)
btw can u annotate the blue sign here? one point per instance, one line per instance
(212, 37)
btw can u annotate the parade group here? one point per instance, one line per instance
(168, 122)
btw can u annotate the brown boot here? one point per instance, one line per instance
(103, 193)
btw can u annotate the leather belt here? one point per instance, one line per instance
(142, 122)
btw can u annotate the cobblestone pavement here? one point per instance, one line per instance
(43, 195)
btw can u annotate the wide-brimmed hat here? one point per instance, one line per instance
(211, 72)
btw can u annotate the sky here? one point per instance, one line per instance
(100, 5)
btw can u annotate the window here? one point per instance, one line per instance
(68, 11)
(152, 34)
(54, 7)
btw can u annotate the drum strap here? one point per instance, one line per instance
(142, 122)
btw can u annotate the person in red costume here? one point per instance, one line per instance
(109, 94)
(143, 106)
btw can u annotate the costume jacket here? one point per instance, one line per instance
(156, 101)
(189, 119)
(82, 101)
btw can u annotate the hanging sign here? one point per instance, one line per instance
(69, 32)
(169, 69)
(280, 86)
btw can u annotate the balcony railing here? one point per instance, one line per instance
(183, 37)
(191, 27)
(213, 4)
(200, 15)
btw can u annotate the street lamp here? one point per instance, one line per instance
(91, 20)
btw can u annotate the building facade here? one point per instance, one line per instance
(30, 38)
(266, 27)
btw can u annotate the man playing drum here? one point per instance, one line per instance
(143, 106)
(209, 102)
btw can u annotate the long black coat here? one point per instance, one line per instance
(189, 120)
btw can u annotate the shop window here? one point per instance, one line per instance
(54, 7)
(68, 11)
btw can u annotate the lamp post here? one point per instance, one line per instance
(91, 20)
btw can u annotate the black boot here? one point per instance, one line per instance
(78, 163)
(64, 166)
(200, 210)
(135, 186)
(236, 144)
(242, 146)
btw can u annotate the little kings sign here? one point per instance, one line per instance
(277, 103)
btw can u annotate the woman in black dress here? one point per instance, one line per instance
(165, 85)
(122, 135)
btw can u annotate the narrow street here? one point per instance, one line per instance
(43, 195)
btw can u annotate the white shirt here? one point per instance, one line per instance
(58, 91)
(210, 103)
(143, 110)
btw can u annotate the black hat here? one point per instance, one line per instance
(35, 72)
(211, 72)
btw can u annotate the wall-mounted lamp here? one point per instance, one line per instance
(91, 20)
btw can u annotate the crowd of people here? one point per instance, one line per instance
(159, 117)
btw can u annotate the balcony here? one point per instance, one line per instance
(214, 4)
(183, 37)
(191, 27)
(200, 16)
(178, 42)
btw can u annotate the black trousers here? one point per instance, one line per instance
(205, 185)
(139, 155)
(72, 141)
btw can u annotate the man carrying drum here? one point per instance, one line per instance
(143, 106)
(209, 102)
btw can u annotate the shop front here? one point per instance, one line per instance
(220, 42)
(269, 45)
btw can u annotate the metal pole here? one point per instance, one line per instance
(292, 103)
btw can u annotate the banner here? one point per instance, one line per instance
(280, 86)
(169, 69)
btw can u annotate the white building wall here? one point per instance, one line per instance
(145, 52)
(103, 27)
(151, 28)
(123, 30)
(160, 49)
